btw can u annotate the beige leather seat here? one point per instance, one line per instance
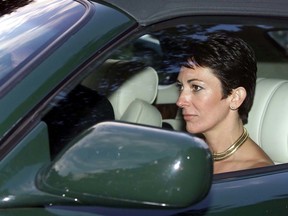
(268, 118)
(132, 101)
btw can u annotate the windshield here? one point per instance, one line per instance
(26, 30)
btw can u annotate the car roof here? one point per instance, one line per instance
(151, 11)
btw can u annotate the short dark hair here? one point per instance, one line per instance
(232, 61)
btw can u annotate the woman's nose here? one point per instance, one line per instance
(181, 101)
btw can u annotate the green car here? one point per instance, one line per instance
(89, 124)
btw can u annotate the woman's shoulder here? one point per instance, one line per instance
(255, 152)
(253, 156)
(249, 156)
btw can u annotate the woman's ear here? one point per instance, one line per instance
(237, 97)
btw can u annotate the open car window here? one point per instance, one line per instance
(100, 95)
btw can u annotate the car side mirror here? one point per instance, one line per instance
(120, 164)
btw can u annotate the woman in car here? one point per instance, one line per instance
(217, 84)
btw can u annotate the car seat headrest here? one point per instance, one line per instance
(143, 85)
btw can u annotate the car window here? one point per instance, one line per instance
(159, 50)
(32, 30)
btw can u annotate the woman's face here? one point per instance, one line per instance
(201, 100)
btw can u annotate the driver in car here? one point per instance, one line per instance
(217, 83)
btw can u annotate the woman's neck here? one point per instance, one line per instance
(221, 138)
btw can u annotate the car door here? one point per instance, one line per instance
(252, 192)
(245, 192)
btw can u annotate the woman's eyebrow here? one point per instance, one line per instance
(191, 80)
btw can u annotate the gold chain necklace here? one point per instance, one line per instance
(233, 148)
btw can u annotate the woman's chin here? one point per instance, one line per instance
(193, 130)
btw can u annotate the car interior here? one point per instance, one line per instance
(133, 102)
(138, 90)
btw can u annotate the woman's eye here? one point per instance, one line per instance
(179, 86)
(196, 88)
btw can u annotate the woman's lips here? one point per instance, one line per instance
(188, 117)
